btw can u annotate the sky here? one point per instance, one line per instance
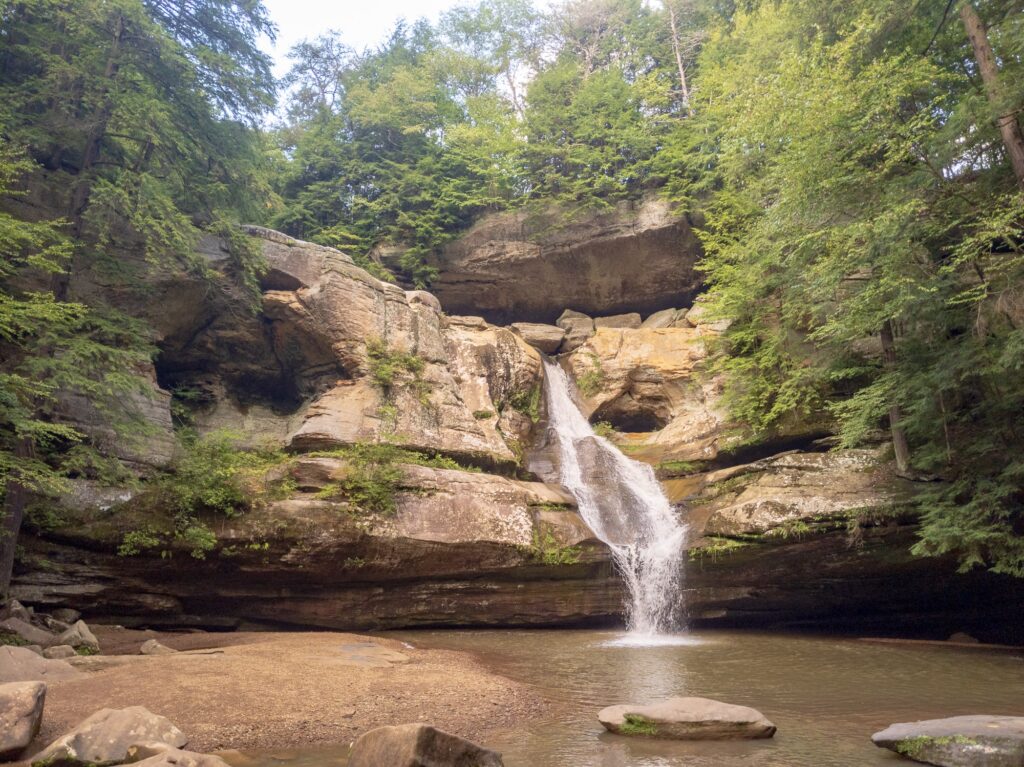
(362, 23)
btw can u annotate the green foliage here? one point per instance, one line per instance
(591, 380)
(50, 347)
(714, 547)
(604, 429)
(526, 402)
(497, 106)
(215, 475)
(635, 724)
(12, 640)
(483, 415)
(374, 474)
(549, 551)
(912, 748)
(392, 368)
(857, 184)
(680, 468)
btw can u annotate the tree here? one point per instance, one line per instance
(48, 346)
(860, 192)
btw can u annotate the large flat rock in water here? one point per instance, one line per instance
(687, 719)
(959, 741)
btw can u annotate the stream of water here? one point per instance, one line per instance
(625, 506)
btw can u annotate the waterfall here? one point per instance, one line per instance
(624, 505)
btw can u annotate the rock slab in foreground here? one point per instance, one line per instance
(21, 713)
(687, 719)
(418, 745)
(19, 664)
(959, 741)
(106, 736)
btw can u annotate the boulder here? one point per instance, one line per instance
(21, 713)
(79, 636)
(578, 328)
(687, 719)
(959, 637)
(959, 741)
(153, 647)
(526, 265)
(163, 755)
(15, 609)
(60, 651)
(418, 745)
(66, 615)
(663, 319)
(631, 321)
(28, 632)
(105, 737)
(545, 338)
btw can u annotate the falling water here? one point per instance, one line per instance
(626, 508)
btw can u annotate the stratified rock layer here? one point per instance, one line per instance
(528, 266)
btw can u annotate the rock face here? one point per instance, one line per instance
(21, 713)
(337, 317)
(418, 745)
(528, 266)
(687, 719)
(105, 737)
(960, 741)
(650, 381)
(767, 496)
(461, 548)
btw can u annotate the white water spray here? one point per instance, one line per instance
(626, 508)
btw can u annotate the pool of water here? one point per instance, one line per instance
(826, 695)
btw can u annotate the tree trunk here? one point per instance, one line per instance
(679, 59)
(1009, 127)
(899, 437)
(15, 500)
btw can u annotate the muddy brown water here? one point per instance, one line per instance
(826, 695)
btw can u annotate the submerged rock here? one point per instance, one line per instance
(418, 745)
(163, 755)
(106, 736)
(687, 719)
(21, 713)
(959, 741)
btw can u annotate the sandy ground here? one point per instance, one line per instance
(285, 690)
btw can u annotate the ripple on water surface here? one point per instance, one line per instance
(827, 695)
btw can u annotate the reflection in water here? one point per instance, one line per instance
(826, 695)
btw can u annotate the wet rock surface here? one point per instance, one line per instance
(687, 719)
(959, 741)
(418, 745)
